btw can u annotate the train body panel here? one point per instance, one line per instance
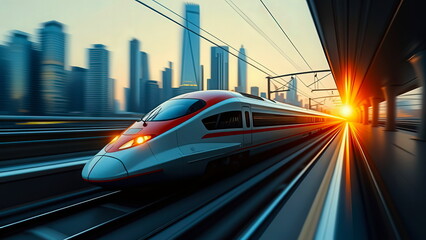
(182, 136)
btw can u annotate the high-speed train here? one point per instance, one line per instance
(183, 136)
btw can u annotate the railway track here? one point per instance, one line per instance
(165, 213)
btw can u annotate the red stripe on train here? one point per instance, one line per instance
(230, 133)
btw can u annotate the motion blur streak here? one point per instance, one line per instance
(348, 163)
(41, 123)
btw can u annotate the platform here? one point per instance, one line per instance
(382, 201)
(401, 163)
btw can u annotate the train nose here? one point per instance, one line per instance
(104, 168)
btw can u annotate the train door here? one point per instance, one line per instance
(247, 126)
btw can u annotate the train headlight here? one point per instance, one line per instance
(142, 139)
(127, 144)
(136, 141)
(114, 139)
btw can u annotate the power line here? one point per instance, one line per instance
(207, 39)
(210, 34)
(318, 80)
(220, 40)
(285, 34)
(287, 84)
(210, 41)
(263, 34)
(250, 22)
(180, 16)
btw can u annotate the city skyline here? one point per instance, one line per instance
(47, 78)
(106, 27)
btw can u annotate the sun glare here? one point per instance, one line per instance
(346, 111)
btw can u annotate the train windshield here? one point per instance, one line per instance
(174, 108)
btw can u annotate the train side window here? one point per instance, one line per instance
(266, 119)
(230, 120)
(247, 114)
(224, 120)
(210, 122)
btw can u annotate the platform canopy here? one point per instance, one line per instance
(368, 44)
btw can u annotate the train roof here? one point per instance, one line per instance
(214, 96)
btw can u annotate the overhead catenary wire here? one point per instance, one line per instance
(285, 34)
(320, 79)
(259, 30)
(210, 34)
(264, 35)
(288, 38)
(209, 40)
(203, 30)
(203, 37)
(248, 20)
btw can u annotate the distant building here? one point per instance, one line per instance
(36, 97)
(219, 70)
(190, 69)
(20, 49)
(76, 89)
(177, 91)
(145, 66)
(98, 99)
(292, 97)
(111, 94)
(133, 105)
(145, 77)
(4, 80)
(242, 71)
(167, 76)
(263, 94)
(117, 108)
(127, 99)
(202, 78)
(52, 39)
(152, 95)
(254, 91)
(279, 97)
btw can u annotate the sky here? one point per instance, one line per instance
(115, 22)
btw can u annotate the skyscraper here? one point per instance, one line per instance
(291, 96)
(126, 99)
(4, 80)
(133, 105)
(52, 39)
(145, 66)
(152, 95)
(111, 94)
(254, 91)
(190, 71)
(98, 99)
(242, 70)
(20, 49)
(279, 97)
(76, 89)
(167, 82)
(145, 77)
(219, 69)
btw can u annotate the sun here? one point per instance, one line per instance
(346, 111)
